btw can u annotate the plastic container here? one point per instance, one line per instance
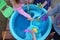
(19, 23)
(56, 22)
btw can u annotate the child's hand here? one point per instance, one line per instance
(33, 35)
(38, 19)
(50, 36)
(30, 19)
(32, 32)
(44, 4)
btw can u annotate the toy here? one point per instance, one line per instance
(57, 23)
(4, 35)
(39, 5)
(18, 24)
(35, 30)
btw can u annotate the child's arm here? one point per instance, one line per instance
(44, 3)
(18, 7)
(12, 2)
(49, 8)
(32, 32)
(33, 35)
(21, 11)
(54, 10)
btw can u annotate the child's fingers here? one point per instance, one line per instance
(30, 19)
(32, 32)
(50, 36)
(33, 35)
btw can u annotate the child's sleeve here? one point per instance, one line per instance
(21, 11)
(56, 9)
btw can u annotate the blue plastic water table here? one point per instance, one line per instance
(18, 23)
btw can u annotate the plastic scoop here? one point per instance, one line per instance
(35, 30)
(26, 30)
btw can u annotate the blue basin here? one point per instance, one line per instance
(18, 23)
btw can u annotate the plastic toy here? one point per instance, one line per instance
(35, 30)
(57, 23)
(19, 23)
(39, 5)
(26, 30)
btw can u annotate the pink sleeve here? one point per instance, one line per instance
(21, 11)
